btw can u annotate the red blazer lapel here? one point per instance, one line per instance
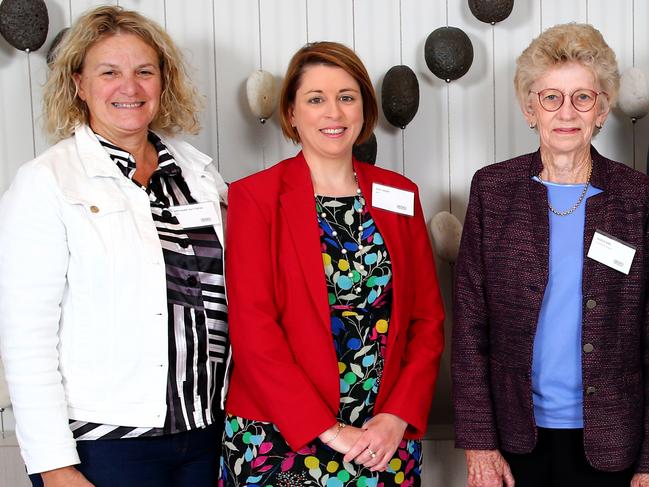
(298, 208)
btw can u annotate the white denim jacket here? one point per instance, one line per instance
(83, 303)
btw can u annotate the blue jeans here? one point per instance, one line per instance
(188, 459)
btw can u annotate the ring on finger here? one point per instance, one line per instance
(372, 454)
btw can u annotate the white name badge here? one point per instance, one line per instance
(611, 252)
(196, 215)
(393, 199)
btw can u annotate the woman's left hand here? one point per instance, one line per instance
(640, 480)
(381, 437)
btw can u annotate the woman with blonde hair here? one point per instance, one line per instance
(550, 356)
(113, 318)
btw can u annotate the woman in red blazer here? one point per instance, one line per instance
(335, 313)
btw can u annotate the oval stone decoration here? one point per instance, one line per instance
(51, 52)
(449, 53)
(262, 94)
(633, 98)
(366, 152)
(491, 11)
(446, 231)
(24, 23)
(400, 95)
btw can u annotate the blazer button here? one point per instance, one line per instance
(588, 348)
(166, 214)
(184, 244)
(192, 281)
(591, 303)
(590, 390)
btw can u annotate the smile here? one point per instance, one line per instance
(336, 131)
(128, 105)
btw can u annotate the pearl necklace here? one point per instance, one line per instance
(322, 216)
(581, 196)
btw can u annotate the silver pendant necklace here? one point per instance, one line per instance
(322, 217)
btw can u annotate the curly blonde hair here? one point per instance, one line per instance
(566, 43)
(63, 109)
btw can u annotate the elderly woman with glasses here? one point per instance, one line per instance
(550, 363)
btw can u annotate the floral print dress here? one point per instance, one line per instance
(359, 285)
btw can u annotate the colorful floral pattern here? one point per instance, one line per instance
(359, 285)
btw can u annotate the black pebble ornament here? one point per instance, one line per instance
(366, 152)
(400, 95)
(491, 11)
(448, 53)
(51, 53)
(24, 23)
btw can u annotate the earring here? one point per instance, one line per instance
(532, 125)
(600, 126)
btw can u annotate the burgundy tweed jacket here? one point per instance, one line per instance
(501, 275)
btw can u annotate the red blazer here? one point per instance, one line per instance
(285, 366)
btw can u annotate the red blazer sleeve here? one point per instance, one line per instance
(262, 357)
(411, 397)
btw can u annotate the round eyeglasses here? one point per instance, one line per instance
(583, 99)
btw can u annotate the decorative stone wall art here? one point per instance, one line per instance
(446, 230)
(449, 53)
(491, 11)
(366, 152)
(400, 95)
(633, 98)
(261, 91)
(24, 23)
(51, 52)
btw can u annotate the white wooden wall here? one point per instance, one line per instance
(459, 127)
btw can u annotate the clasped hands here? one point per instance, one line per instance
(372, 445)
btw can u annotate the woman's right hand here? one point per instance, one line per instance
(487, 468)
(65, 477)
(344, 440)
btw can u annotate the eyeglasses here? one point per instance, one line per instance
(583, 100)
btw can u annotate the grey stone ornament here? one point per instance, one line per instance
(24, 23)
(449, 53)
(633, 98)
(51, 52)
(262, 94)
(491, 11)
(366, 152)
(400, 95)
(446, 231)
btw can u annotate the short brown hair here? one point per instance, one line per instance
(566, 43)
(328, 54)
(64, 109)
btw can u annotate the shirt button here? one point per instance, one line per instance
(590, 390)
(591, 303)
(192, 281)
(588, 348)
(94, 209)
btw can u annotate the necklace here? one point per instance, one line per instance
(581, 196)
(321, 210)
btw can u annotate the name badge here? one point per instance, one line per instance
(196, 215)
(611, 252)
(393, 199)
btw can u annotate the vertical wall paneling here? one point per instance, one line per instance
(193, 29)
(330, 21)
(283, 31)
(377, 43)
(616, 25)
(241, 135)
(640, 15)
(554, 12)
(154, 9)
(471, 113)
(511, 36)
(426, 153)
(77, 7)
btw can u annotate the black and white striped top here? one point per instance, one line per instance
(196, 306)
